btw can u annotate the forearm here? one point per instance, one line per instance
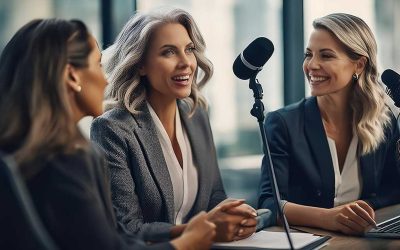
(301, 215)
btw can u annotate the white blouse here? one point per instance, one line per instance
(184, 179)
(347, 183)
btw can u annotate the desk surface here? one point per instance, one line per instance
(340, 241)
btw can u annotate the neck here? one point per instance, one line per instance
(77, 113)
(335, 108)
(165, 111)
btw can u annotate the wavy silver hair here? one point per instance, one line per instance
(370, 113)
(122, 60)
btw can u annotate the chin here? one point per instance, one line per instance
(183, 95)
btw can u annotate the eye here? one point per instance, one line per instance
(190, 49)
(168, 52)
(307, 54)
(327, 56)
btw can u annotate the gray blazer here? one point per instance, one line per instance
(141, 187)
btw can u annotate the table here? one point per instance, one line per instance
(341, 241)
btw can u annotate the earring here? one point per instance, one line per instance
(78, 88)
(355, 77)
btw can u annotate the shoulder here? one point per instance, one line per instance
(81, 166)
(290, 113)
(115, 116)
(115, 121)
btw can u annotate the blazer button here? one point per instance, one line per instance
(373, 194)
(319, 193)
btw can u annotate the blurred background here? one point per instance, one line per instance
(228, 26)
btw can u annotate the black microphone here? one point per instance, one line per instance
(392, 81)
(253, 58)
(246, 66)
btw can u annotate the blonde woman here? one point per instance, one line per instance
(156, 135)
(334, 153)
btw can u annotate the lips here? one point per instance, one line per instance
(317, 79)
(182, 79)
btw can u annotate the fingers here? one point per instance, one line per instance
(355, 218)
(251, 222)
(243, 210)
(362, 213)
(348, 226)
(245, 232)
(226, 205)
(367, 208)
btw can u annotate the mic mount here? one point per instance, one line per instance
(258, 112)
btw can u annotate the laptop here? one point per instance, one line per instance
(387, 229)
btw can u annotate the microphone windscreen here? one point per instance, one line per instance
(392, 81)
(256, 54)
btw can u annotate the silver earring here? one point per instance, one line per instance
(355, 77)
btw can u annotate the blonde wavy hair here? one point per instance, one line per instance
(370, 113)
(121, 61)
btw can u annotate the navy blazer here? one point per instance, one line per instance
(141, 186)
(303, 164)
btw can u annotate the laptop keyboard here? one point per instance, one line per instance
(390, 226)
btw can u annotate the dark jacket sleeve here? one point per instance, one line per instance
(388, 176)
(277, 135)
(111, 139)
(72, 206)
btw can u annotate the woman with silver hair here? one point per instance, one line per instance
(335, 152)
(156, 133)
(65, 176)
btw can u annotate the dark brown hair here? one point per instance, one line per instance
(36, 117)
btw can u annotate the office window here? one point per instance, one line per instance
(14, 14)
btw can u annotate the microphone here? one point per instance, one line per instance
(253, 58)
(246, 66)
(392, 81)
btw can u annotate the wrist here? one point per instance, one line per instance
(177, 230)
(322, 220)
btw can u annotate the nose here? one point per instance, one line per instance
(184, 61)
(312, 63)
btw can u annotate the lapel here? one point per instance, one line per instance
(367, 165)
(315, 133)
(147, 136)
(199, 158)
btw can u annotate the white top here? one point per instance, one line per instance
(184, 179)
(348, 183)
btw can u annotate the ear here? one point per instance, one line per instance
(360, 65)
(73, 78)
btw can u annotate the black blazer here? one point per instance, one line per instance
(72, 196)
(141, 186)
(303, 164)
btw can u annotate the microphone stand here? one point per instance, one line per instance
(258, 112)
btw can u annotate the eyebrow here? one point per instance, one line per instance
(322, 50)
(173, 46)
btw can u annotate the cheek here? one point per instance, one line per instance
(194, 62)
(305, 67)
